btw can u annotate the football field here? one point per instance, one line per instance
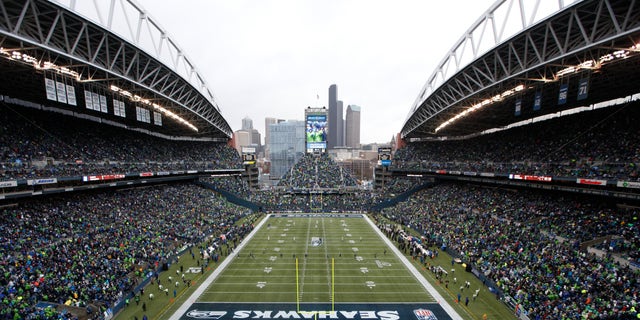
(315, 266)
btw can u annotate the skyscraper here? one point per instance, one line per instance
(247, 123)
(286, 145)
(335, 136)
(247, 136)
(241, 138)
(269, 121)
(352, 126)
(340, 122)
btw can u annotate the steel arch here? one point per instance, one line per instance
(100, 55)
(579, 29)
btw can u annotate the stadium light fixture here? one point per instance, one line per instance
(589, 64)
(566, 71)
(586, 65)
(24, 58)
(621, 54)
(592, 64)
(159, 108)
(16, 55)
(477, 106)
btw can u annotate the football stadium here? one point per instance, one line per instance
(512, 190)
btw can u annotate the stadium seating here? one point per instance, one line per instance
(316, 171)
(93, 249)
(315, 184)
(529, 245)
(599, 144)
(36, 144)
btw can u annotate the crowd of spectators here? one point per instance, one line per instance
(398, 185)
(622, 247)
(36, 144)
(599, 144)
(528, 245)
(91, 249)
(313, 171)
(234, 184)
(282, 201)
(316, 183)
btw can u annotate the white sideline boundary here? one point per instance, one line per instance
(207, 282)
(439, 298)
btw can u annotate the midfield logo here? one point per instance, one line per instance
(316, 241)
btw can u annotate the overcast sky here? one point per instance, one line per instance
(272, 58)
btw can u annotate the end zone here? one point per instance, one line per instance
(222, 311)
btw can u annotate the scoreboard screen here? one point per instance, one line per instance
(249, 158)
(384, 156)
(316, 129)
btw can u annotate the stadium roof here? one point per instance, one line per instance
(42, 41)
(587, 52)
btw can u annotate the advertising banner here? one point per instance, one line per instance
(592, 182)
(33, 182)
(8, 183)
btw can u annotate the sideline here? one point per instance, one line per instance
(207, 282)
(430, 288)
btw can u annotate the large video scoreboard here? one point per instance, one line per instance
(248, 156)
(384, 156)
(316, 129)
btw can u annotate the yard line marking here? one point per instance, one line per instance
(413, 270)
(216, 272)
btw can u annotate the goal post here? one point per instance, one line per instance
(333, 283)
(332, 293)
(297, 287)
(315, 202)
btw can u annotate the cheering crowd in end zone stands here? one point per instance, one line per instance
(313, 172)
(316, 171)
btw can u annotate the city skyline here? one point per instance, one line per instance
(348, 128)
(274, 58)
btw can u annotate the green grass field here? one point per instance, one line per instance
(316, 262)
